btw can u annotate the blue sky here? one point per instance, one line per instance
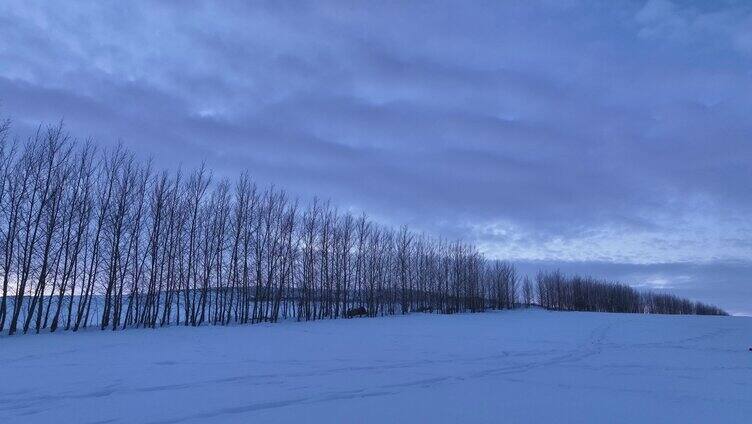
(605, 137)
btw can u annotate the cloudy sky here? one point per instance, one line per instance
(612, 138)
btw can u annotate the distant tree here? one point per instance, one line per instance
(527, 291)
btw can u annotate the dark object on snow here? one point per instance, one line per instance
(750, 349)
(426, 309)
(356, 312)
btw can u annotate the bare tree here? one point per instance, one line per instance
(527, 291)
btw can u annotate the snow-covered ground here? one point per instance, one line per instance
(519, 366)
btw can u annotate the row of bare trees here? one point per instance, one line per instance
(91, 238)
(574, 293)
(99, 238)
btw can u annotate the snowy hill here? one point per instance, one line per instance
(519, 366)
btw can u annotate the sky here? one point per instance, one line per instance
(609, 138)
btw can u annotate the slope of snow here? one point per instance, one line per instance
(519, 366)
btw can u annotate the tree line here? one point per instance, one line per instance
(99, 238)
(574, 293)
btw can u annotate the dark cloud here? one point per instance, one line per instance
(547, 131)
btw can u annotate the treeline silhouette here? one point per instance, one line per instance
(574, 293)
(98, 238)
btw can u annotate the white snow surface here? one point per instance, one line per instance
(514, 366)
